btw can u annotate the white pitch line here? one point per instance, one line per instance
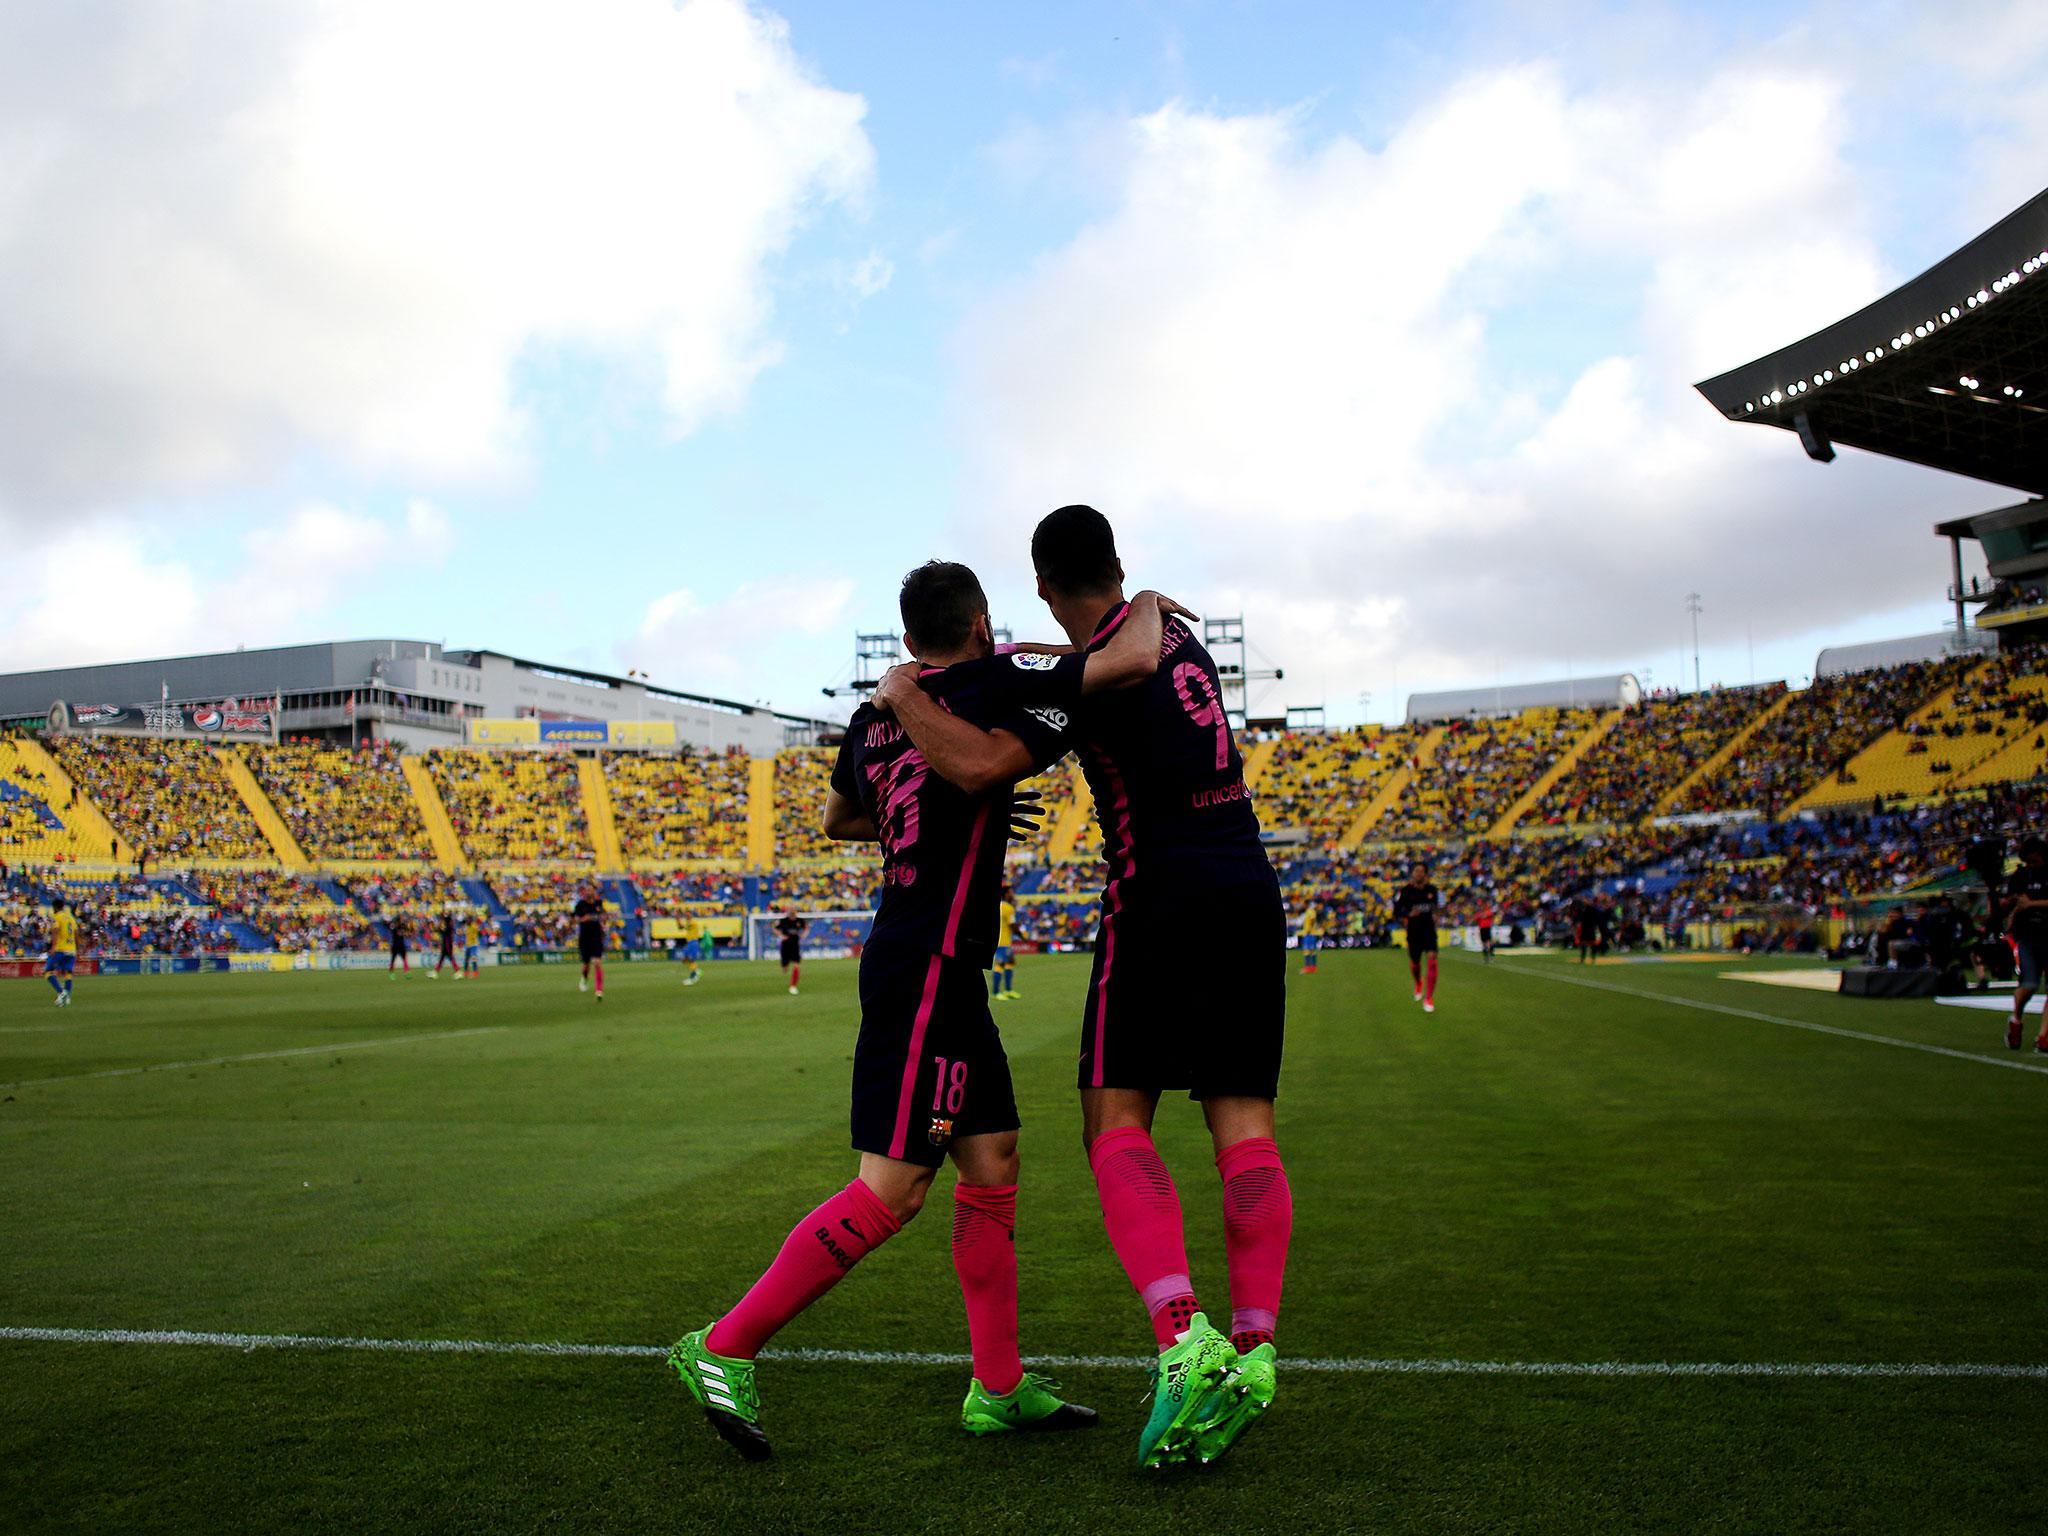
(222, 1061)
(246, 1342)
(1772, 1018)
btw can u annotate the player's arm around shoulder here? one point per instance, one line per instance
(1132, 654)
(962, 753)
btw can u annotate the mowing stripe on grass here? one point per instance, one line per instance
(1772, 1018)
(1341, 1367)
(222, 1061)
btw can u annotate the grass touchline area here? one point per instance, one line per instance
(1923, 1370)
(1772, 1018)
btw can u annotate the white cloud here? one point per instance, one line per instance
(233, 236)
(1299, 375)
(106, 592)
(730, 644)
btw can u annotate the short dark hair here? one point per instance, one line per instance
(939, 602)
(56, 903)
(1074, 550)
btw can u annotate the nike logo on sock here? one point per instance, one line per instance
(856, 1231)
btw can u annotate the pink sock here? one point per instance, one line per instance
(1141, 1209)
(1258, 1218)
(1429, 986)
(598, 967)
(818, 1252)
(985, 1254)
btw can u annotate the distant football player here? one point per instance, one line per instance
(1311, 941)
(1185, 864)
(695, 941)
(930, 1077)
(400, 950)
(1002, 980)
(447, 954)
(791, 929)
(472, 946)
(589, 916)
(1415, 906)
(2026, 927)
(1484, 919)
(60, 962)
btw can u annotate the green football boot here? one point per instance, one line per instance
(724, 1388)
(1182, 1383)
(1034, 1403)
(1245, 1394)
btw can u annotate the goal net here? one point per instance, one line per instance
(826, 935)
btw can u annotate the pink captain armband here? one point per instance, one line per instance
(1007, 649)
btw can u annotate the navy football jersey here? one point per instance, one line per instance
(942, 849)
(2031, 926)
(1416, 904)
(1161, 761)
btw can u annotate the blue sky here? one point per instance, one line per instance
(642, 336)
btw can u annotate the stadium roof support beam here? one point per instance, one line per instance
(1949, 370)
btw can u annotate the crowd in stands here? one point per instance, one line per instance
(802, 776)
(513, 805)
(684, 805)
(168, 799)
(343, 803)
(1651, 750)
(117, 917)
(1321, 781)
(692, 892)
(1817, 732)
(836, 889)
(1479, 770)
(292, 913)
(1066, 923)
(1990, 706)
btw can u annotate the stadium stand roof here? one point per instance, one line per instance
(1949, 370)
(1837, 660)
(1497, 702)
(409, 689)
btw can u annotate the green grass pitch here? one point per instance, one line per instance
(1540, 1172)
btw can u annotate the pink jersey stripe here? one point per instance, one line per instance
(966, 878)
(913, 1057)
(1109, 624)
(1112, 904)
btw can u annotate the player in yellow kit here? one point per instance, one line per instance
(696, 947)
(1002, 976)
(62, 959)
(472, 947)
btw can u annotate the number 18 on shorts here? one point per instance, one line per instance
(929, 1067)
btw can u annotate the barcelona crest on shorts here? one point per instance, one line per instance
(941, 1131)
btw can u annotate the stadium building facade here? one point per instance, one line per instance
(409, 691)
(1618, 691)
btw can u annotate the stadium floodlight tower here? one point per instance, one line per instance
(1231, 652)
(873, 654)
(876, 653)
